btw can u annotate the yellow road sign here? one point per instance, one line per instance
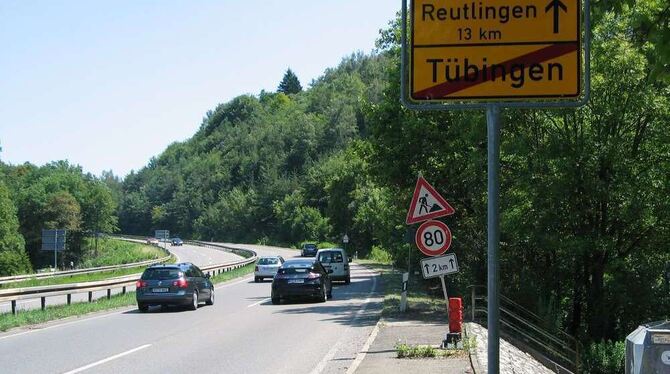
(495, 49)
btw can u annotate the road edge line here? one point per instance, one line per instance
(360, 356)
(318, 369)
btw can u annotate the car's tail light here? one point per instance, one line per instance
(256, 268)
(313, 276)
(181, 283)
(140, 284)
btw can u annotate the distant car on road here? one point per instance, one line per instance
(300, 277)
(152, 241)
(177, 241)
(176, 284)
(336, 259)
(267, 267)
(308, 249)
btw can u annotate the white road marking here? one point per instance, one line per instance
(108, 359)
(258, 302)
(361, 355)
(318, 369)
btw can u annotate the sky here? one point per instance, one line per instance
(109, 84)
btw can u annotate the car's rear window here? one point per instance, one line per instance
(294, 270)
(330, 256)
(268, 261)
(310, 246)
(161, 274)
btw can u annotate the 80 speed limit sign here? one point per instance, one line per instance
(433, 238)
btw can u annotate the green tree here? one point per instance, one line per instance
(290, 83)
(13, 258)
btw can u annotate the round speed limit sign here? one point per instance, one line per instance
(433, 238)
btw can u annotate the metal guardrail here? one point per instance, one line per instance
(23, 277)
(554, 347)
(42, 292)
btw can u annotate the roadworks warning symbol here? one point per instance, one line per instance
(427, 203)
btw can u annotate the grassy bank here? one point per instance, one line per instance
(31, 317)
(110, 252)
(116, 252)
(421, 304)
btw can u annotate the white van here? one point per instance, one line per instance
(335, 259)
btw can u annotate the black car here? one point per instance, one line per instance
(177, 241)
(177, 284)
(299, 277)
(308, 249)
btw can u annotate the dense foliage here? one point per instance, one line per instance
(585, 208)
(57, 195)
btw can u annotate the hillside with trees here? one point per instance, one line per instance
(585, 215)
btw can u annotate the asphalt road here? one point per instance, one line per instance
(200, 256)
(242, 333)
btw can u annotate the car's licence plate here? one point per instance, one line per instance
(296, 281)
(157, 290)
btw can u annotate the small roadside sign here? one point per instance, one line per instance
(426, 203)
(438, 266)
(53, 240)
(345, 239)
(433, 238)
(162, 234)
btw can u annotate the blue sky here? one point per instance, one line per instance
(108, 85)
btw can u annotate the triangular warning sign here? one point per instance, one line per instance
(427, 203)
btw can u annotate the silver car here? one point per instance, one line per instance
(267, 267)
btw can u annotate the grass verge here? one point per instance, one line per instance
(31, 317)
(421, 305)
(77, 278)
(425, 351)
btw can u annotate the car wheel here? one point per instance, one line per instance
(211, 298)
(256, 279)
(194, 302)
(275, 301)
(143, 307)
(330, 292)
(348, 280)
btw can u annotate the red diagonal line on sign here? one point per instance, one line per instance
(535, 57)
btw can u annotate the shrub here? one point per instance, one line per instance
(606, 357)
(380, 255)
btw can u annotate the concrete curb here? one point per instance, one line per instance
(472, 354)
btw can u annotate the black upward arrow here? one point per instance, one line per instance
(555, 5)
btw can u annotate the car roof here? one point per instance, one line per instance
(331, 249)
(168, 266)
(269, 256)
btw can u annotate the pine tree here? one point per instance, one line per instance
(290, 83)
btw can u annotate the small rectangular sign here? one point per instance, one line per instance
(162, 234)
(53, 240)
(438, 266)
(660, 338)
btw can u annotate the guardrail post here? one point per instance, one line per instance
(43, 300)
(473, 304)
(109, 293)
(69, 299)
(90, 296)
(14, 307)
(123, 290)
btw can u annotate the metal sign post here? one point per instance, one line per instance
(493, 136)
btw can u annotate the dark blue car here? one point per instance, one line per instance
(308, 250)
